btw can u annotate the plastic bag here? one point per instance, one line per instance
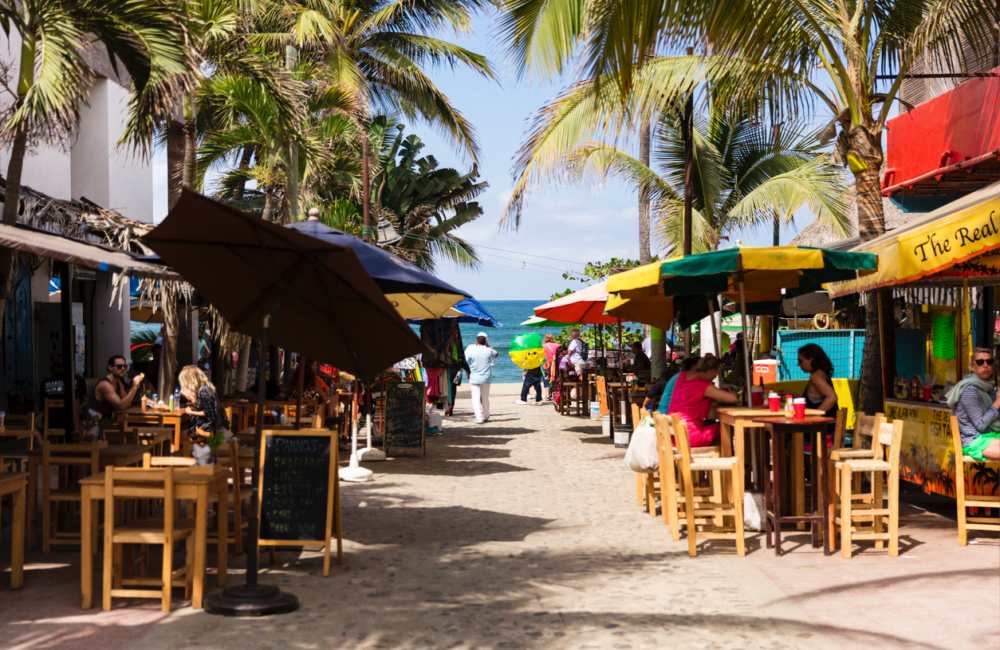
(641, 454)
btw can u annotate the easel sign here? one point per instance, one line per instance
(404, 418)
(299, 502)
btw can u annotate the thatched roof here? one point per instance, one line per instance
(82, 220)
(818, 234)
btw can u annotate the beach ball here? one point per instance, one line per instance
(526, 351)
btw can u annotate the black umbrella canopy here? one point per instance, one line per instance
(321, 301)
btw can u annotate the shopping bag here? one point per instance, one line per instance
(641, 454)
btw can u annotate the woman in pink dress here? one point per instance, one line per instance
(693, 398)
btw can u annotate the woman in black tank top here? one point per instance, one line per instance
(819, 392)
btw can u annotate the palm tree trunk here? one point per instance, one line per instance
(865, 152)
(268, 212)
(175, 160)
(657, 357)
(366, 188)
(12, 199)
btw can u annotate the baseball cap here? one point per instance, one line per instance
(482, 334)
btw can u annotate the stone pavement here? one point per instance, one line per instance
(524, 533)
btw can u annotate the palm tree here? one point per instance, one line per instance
(853, 58)
(420, 204)
(744, 174)
(426, 204)
(56, 38)
(375, 51)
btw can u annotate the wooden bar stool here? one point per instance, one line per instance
(963, 501)
(670, 483)
(733, 508)
(121, 483)
(867, 521)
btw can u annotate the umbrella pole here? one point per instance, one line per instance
(250, 598)
(746, 350)
(715, 326)
(298, 400)
(354, 472)
(620, 351)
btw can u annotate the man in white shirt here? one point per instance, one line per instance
(481, 358)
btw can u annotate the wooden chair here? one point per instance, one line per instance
(865, 427)
(567, 401)
(121, 483)
(670, 483)
(49, 432)
(962, 501)
(866, 521)
(71, 462)
(20, 426)
(647, 484)
(228, 455)
(715, 509)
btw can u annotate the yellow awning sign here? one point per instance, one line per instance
(943, 240)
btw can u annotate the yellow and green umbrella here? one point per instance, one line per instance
(758, 275)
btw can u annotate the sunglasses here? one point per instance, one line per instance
(121, 366)
(988, 362)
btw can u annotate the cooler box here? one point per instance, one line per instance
(766, 369)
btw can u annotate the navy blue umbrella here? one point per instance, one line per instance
(473, 312)
(415, 293)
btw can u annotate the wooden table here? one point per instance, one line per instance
(781, 427)
(734, 423)
(16, 484)
(190, 484)
(170, 419)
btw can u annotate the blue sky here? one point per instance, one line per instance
(564, 225)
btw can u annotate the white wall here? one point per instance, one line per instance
(90, 163)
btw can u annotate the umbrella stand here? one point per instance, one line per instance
(746, 351)
(369, 453)
(354, 472)
(251, 598)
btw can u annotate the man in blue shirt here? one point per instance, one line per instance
(481, 358)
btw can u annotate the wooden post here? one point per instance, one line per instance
(68, 347)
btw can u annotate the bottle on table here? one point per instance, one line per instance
(789, 405)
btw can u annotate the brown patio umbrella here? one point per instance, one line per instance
(321, 301)
(298, 291)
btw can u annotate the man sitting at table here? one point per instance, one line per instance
(111, 393)
(976, 405)
(640, 365)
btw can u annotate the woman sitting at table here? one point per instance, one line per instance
(694, 396)
(819, 392)
(207, 423)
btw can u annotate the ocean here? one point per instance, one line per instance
(510, 313)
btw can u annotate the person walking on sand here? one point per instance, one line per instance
(481, 358)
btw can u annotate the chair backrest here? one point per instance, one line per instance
(228, 455)
(150, 461)
(956, 441)
(48, 406)
(20, 421)
(838, 428)
(82, 454)
(664, 439)
(865, 427)
(890, 441)
(139, 483)
(602, 395)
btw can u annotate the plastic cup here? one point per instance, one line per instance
(799, 408)
(774, 402)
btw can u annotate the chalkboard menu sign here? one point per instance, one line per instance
(404, 418)
(299, 494)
